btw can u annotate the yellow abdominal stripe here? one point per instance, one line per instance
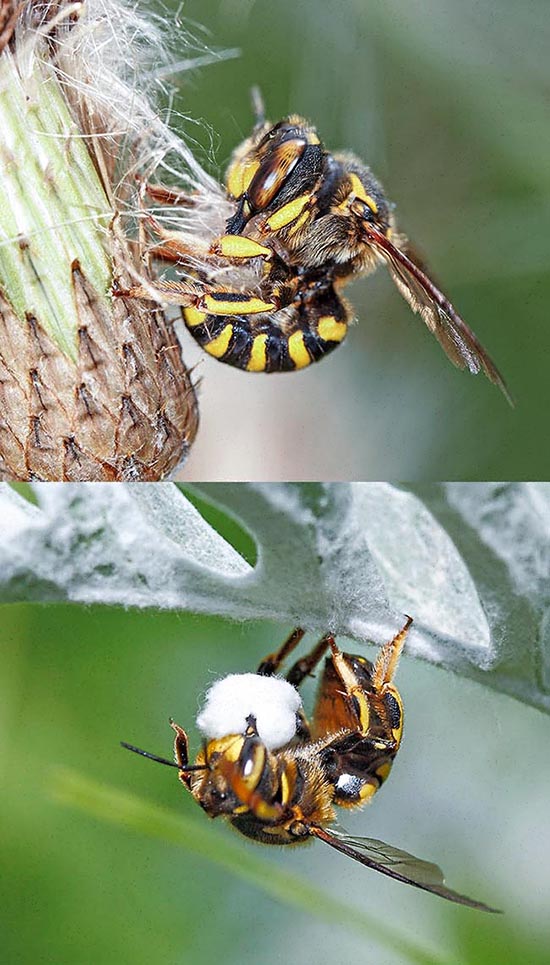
(383, 770)
(248, 306)
(193, 317)
(367, 792)
(298, 351)
(330, 329)
(218, 346)
(258, 355)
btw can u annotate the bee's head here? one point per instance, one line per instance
(364, 199)
(241, 772)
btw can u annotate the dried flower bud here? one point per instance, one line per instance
(91, 387)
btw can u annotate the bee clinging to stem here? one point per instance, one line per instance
(277, 777)
(305, 222)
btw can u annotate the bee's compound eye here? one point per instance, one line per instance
(252, 761)
(363, 210)
(276, 166)
(394, 711)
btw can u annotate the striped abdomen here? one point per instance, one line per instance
(282, 341)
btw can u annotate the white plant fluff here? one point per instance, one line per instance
(92, 387)
(272, 701)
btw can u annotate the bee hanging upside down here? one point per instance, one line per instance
(277, 777)
(305, 223)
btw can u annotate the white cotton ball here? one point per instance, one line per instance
(272, 701)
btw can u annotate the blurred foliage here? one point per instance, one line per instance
(196, 838)
(76, 888)
(449, 104)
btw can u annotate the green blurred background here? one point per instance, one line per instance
(470, 790)
(449, 104)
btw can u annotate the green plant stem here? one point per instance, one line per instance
(198, 838)
(53, 209)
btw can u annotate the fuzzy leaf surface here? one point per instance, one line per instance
(469, 561)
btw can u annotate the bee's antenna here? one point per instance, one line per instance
(163, 760)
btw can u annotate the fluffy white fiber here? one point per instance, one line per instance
(272, 701)
(120, 65)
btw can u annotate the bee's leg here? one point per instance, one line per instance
(273, 661)
(299, 671)
(165, 194)
(304, 667)
(351, 690)
(181, 744)
(213, 301)
(385, 699)
(388, 658)
(238, 249)
(181, 751)
(359, 760)
(176, 247)
(369, 693)
(360, 700)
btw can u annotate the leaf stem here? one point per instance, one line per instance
(109, 804)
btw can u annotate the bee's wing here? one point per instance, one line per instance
(396, 864)
(457, 339)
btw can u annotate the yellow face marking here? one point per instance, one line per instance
(312, 138)
(218, 346)
(239, 176)
(235, 246)
(230, 747)
(285, 789)
(258, 356)
(193, 317)
(359, 192)
(248, 306)
(288, 213)
(331, 330)
(297, 350)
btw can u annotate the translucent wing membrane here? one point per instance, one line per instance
(456, 338)
(396, 864)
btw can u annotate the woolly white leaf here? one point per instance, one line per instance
(468, 561)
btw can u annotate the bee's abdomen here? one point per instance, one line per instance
(281, 342)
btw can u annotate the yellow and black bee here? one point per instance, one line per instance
(306, 222)
(287, 794)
